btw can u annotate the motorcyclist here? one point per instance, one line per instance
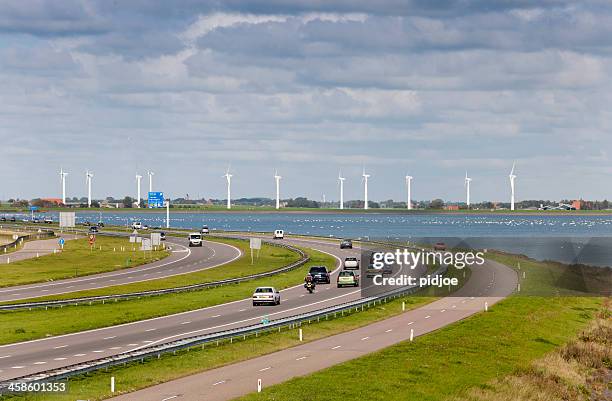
(309, 282)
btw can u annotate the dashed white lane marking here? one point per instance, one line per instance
(264, 369)
(59, 359)
(388, 331)
(169, 398)
(109, 338)
(98, 351)
(5, 356)
(301, 295)
(40, 363)
(454, 306)
(70, 286)
(185, 322)
(216, 316)
(427, 317)
(44, 290)
(60, 346)
(147, 341)
(17, 367)
(132, 345)
(443, 310)
(113, 348)
(364, 338)
(300, 358)
(337, 346)
(219, 382)
(78, 355)
(150, 329)
(410, 323)
(241, 310)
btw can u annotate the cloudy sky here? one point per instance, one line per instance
(310, 87)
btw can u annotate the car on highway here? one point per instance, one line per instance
(2, 218)
(48, 221)
(266, 295)
(205, 230)
(351, 263)
(346, 244)
(137, 225)
(195, 239)
(279, 234)
(13, 219)
(93, 230)
(439, 246)
(347, 278)
(320, 274)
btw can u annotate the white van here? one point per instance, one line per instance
(137, 225)
(279, 234)
(195, 239)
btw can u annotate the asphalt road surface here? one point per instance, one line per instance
(493, 282)
(33, 249)
(181, 260)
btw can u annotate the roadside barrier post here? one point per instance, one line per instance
(301, 336)
(411, 334)
(486, 306)
(112, 384)
(259, 385)
(403, 306)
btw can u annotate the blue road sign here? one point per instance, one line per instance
(155, 200)
(61, 241)
(33, 208)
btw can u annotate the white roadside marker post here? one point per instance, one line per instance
(411, 334)
(259, 385)
(301, 336)
(403, 306)
(112, 384)
(486, 306)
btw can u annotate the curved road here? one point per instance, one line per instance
(53, 352)
(181, 260)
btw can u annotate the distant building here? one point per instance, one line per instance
(451, 207)
(54, 201)
(577, 204)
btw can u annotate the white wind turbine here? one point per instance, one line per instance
(277, 178)
(88, 177)
(150, 174)
(408, 188)
(341, 183)
(63, 175)
(467, 190)
(138, 178)
(228, 177)
(512, 178)
(365, 188)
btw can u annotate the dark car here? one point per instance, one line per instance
(93, 230)
(100, 224)
(13, 219)
(346, 244)
(2, 218)
(320, 274)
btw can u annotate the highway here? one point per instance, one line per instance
(32, 249)
(181, 260)
(53, 352)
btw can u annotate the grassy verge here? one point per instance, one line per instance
(39, 323)
(270, 258)
(77, 259)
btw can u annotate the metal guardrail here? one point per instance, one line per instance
(304, 258)
(189, 342)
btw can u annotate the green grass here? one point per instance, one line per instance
(270, 258)
(77, 259)
(39, 323)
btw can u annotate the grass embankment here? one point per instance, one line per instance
(270, 258)
(137, 376)
(39, 323)
(78, 259)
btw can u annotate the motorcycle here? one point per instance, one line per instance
(310, 286)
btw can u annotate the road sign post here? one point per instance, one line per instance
(155, 200)
(255, 243)
(61, 242)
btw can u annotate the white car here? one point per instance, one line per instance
(205, 230)
(266, 295)
(195, 239)
(351, 263)
(279, 234)
(137, 225)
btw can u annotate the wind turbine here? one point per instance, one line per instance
(365, 188)
(150, 174)
(63, 175)
(408, 187)
(228, 177)
(512, 178)
(341, 183)
(277, 178)
(88, 177)
(138, 178)
(467, 189)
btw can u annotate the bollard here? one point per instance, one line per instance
(411, 334)
(112, 384)
(259, 385)
(486, 306)
(403, 306)
(523, 273)
(519, 287)
(37, 254)
(301, 337)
